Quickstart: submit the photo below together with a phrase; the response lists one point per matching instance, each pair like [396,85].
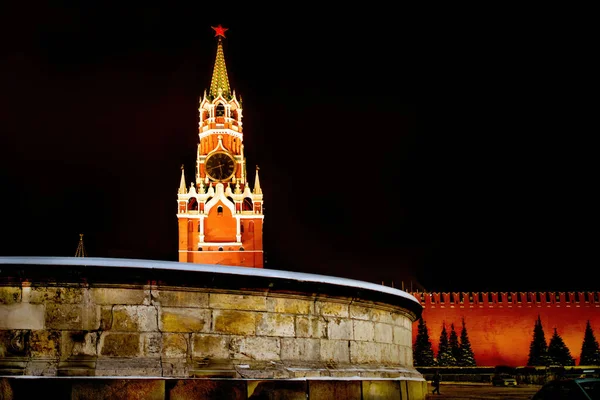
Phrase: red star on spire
[219,30]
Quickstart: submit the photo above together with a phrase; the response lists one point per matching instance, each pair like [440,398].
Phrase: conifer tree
[422,350]
[590,352]
[454,344]
[538,349]
[444,355]
[467,357]
[558,352]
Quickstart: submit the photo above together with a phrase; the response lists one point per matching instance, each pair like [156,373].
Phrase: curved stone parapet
[140,318]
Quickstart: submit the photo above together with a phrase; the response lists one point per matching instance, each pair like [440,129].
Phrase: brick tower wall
[500,325]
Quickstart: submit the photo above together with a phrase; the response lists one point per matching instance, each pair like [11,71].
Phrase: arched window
[248,204]
[220,210]
[241,249]
[241,227]
[220,111]
[220,249]
[192,204]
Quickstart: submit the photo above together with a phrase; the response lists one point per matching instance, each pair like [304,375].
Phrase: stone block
[339,328]
[359,312]
[42,367]
[14,342]
[22,316]
[277,390]
[118,296]
[44,344]
[151,344]
[401,336]
[66,316]
[311,327]
[290,306]
[179,319]
[71,317]
[400,318]
[80,365]
[234,322]
[119,344]
[328,390]
[10,294]
[175,367]
[134,318]
[383,333]
[177,298]
[414,389]
[390,354]
[335,350]
[106,318]
[383,316]
[208,346]
[175,345]
[78,343]
[208,390]
[299,349]
[365,352]
[272,324]
[330,309]
[381,389]
[255,348]
[129,366]
[119,389]
[58,295]
[237,302]
[405,356]
[363,330]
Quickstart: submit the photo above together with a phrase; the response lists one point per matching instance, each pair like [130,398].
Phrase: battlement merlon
[508,299]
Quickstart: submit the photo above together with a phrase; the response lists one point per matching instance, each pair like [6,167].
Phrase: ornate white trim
[230,132]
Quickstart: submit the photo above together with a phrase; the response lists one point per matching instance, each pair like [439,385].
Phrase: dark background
[489,188]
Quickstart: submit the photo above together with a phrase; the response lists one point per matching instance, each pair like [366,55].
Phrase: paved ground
[452,391]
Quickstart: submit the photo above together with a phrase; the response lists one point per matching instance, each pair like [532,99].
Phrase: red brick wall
[500,325]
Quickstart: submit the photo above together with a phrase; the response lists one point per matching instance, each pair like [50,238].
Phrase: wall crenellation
[508,299]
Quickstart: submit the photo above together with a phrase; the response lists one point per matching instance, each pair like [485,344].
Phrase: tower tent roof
[257,189]
[80,252]
[220,82]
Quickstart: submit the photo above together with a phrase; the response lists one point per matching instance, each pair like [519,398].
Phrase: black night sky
[486,189]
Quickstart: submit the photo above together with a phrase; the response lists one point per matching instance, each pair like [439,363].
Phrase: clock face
[220,166]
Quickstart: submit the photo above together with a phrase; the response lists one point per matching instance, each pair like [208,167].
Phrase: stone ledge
[117,388]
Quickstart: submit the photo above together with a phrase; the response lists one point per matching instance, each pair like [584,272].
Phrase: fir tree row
[452,351]
[455,351]
[557,353]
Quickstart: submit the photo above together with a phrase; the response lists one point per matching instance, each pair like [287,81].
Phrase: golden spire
[220,82]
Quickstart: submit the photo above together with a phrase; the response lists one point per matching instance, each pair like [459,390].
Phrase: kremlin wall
[500,325]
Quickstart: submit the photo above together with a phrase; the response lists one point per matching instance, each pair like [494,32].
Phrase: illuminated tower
[220,217]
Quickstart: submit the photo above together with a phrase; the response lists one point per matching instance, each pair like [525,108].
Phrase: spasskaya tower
[220,216]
